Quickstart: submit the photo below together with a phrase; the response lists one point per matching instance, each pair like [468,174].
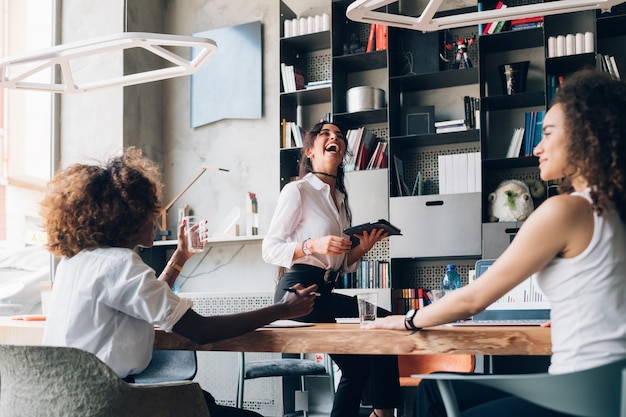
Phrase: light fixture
[62,56]
[162,225]
[365,11]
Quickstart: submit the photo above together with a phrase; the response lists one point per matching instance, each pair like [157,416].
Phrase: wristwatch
[305,248]
[408,320]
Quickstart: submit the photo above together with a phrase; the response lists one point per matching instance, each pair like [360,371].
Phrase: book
[371,38]
[452,128]
[382,33]
[491,26]
[389,228]
[454,122]
[515,146]
[614,65]
[526,20]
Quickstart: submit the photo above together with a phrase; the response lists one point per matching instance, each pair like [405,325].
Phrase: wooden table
[342,338]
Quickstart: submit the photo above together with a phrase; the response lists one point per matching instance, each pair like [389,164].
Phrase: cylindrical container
[325,21]
[451,280]
[589,42]
[295,27]
[360,99]
[304,26]
[580,43]
[310,23]
[287,29]
[570,44]
[551,46]
[379,98]
[318,23]
[560,45]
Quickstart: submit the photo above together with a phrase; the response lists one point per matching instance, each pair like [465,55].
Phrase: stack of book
[405,299]
[457,125]
[377,40]
[459,173]
[525,139]
[527,23]
[371,274]
[495,27]
[608,64]
[365,151]
[292,135]
[293,79]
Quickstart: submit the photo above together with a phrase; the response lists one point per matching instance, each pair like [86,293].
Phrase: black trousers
[476,400]
[379,373]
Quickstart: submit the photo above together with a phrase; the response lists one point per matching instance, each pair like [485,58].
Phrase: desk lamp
[61,56]
[162,225]
[365,11]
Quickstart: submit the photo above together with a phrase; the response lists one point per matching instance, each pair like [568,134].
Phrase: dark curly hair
[305,162]
[594,105]
[90,206]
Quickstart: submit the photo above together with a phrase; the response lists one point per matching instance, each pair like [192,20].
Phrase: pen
[314,294]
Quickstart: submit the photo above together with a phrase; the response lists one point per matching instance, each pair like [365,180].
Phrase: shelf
[361,62]
[307,96]
[360,118]
[510,163]
[570,63]
[310,42]
[214,241]
[507,41]
[514,101]
[435,80]
[435,139]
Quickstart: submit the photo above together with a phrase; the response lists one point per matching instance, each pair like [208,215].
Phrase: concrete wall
[156,118]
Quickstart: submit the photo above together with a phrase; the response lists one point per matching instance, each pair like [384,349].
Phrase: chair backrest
[36,380]
[596,392]
[169,365]
[46,381]
[425,364]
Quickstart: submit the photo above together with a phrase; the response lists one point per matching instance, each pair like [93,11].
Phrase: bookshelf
[422,71]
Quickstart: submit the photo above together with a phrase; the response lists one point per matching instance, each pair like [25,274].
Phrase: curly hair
[594,105]
[305,161]
[88,206]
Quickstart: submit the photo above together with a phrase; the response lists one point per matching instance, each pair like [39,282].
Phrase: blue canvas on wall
[230,84]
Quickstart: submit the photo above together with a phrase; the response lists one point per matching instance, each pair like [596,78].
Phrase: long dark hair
[306,166]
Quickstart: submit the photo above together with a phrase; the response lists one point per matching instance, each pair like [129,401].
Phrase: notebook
[524,305]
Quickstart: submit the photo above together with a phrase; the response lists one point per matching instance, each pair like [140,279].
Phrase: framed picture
[418,120]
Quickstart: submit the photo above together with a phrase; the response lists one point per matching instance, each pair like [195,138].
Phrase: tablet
[389,228]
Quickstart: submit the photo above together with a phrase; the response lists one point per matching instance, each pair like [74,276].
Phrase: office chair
[47,381]
[169,366]
[282,367]
[596,392]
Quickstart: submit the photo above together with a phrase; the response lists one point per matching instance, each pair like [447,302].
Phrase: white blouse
[107,301]
[305,209]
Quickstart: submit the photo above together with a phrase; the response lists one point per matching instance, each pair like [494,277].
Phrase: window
[26,125]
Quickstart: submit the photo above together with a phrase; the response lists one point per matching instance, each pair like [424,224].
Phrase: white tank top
[587,296]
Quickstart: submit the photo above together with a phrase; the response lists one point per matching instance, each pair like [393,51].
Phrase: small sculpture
[513,200]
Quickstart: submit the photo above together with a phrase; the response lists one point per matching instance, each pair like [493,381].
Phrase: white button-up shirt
[107,301]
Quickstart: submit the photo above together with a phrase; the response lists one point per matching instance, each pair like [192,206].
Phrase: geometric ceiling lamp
[365,11]
[24,72]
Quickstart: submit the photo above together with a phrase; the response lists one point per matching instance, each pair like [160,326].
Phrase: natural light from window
[25,125]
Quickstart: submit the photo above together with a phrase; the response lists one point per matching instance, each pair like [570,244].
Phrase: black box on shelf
[418,120]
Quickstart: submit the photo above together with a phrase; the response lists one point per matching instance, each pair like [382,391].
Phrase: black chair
[169,365]
[282,367]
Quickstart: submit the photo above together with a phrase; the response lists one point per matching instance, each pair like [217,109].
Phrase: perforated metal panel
[427,274]
[217,371]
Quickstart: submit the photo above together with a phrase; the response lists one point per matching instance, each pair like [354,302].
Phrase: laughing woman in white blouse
[305,239]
